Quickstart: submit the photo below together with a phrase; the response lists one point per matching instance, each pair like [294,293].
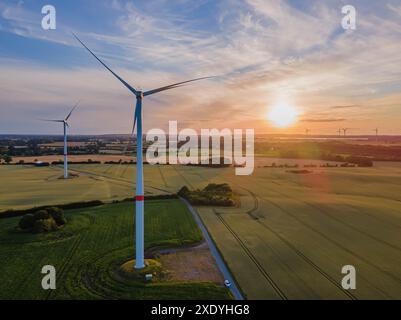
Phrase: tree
[44,225]
[58,215]
[27,222]
[41,214]
[7,159]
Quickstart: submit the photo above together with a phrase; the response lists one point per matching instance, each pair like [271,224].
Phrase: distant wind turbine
[65,126]
[339,132]
[307,131]
[346,129]
[377,133]
[139,203]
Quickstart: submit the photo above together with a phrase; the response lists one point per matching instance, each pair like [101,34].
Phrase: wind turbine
[65,126]
[139,197]
[307,131]
[346,129]
[377,133]
[339,132]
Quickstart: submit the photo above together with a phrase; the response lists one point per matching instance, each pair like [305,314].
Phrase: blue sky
[267,53]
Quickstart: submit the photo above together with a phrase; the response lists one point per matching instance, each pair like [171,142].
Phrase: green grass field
[290,236]
[89,249]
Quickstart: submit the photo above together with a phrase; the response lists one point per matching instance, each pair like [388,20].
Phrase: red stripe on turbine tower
[139,198]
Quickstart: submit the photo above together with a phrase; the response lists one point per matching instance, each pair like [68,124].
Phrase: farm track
[264,273]
[298,252]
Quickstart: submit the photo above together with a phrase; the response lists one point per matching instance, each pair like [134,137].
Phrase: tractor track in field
[108,168]
[183,177]
[351,194]
[298,252]
[348,205]
[65,266]
[71,253]
[373,216]
[117,180]
[162,175]
[250,255]
[325,213]
[264,273]
[334,242]
[98,287]
[124,171]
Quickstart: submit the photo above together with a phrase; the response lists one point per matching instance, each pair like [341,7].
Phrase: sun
[282,115]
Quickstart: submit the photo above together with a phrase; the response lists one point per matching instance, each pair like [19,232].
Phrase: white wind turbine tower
[65,126]
[139,197]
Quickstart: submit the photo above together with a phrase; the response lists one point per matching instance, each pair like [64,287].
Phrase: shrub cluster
[212,195]
[45,220]
[68,206]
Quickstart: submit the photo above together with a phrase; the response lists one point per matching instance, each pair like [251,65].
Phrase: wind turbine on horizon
[345,130]
[65,126]
[377,133]
[139,197]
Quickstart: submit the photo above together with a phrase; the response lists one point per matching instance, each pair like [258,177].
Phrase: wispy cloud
[266,50]
[323,120]
[345,107]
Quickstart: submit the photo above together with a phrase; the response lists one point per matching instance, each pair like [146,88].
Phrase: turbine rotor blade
[69,115]
[50,120]
[172,86]
[132,89]
[133,130]
[133,126]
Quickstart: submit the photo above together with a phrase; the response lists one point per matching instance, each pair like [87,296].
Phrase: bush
[212,195]
[41,214]
[58,215]
[44,220]
[27,222]
[218,188]
[360,161]
[184,191]
[44,225]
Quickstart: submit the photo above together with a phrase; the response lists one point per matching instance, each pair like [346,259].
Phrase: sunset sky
[269,55]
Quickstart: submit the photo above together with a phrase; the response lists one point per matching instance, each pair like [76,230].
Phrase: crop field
[291,234]
[88,250]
